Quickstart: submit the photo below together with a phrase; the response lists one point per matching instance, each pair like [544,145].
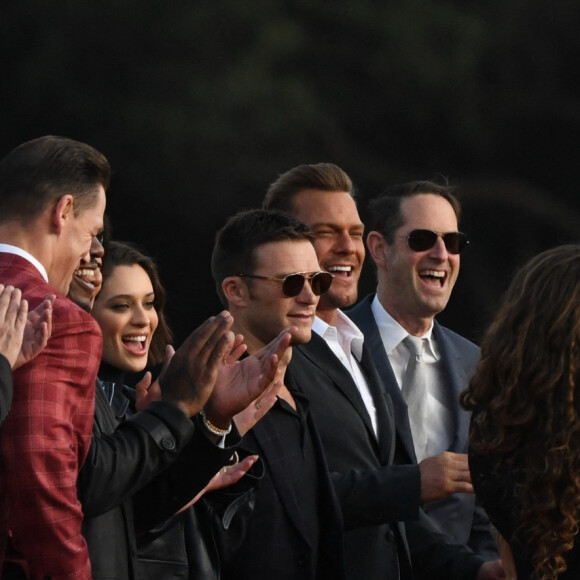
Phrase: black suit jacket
[5,387]
[375,495]
[457,515]
[277,545]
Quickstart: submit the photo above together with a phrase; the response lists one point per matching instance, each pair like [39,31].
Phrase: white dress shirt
[441,420]
[346,342]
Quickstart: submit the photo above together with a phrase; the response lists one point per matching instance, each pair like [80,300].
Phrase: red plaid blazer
[46,436]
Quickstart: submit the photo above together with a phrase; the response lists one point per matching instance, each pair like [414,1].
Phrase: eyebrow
[334,226]
[128,296]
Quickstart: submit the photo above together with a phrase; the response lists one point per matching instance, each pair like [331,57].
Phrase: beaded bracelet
[211,427]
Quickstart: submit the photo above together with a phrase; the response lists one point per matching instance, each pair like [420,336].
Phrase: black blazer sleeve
[435,556]
[124,458]
[375,496]
[5,387]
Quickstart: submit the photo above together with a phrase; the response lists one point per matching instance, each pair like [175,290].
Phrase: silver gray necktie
[414,391]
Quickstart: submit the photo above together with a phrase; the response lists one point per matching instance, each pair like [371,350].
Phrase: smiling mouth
[302,316]
[341,271]
[433,277]
[136,345]
[87,277]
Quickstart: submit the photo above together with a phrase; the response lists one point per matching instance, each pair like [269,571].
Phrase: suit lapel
[457,375]
[272,445]
[383,406]
[320,354]
[363,317]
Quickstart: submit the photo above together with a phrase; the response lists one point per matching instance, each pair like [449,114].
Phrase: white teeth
[85,273]
[340,269]
[434,273]
[135,338]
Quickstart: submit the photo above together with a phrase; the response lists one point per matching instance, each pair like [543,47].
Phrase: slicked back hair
[385,213]
[236,243]
[318,177]
[37,173]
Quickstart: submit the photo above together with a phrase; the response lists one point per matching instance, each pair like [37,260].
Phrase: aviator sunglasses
[293,283]
[422,240]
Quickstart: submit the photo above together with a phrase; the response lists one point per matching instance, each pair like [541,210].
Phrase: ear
[377,246]
[235,290]
[62,212]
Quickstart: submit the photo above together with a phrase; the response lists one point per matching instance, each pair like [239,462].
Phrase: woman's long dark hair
[526,392]
[127,254]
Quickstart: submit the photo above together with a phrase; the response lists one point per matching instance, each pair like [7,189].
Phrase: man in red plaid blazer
[52,195]
[52,200]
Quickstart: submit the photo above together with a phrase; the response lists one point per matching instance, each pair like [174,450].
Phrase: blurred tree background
[199,105]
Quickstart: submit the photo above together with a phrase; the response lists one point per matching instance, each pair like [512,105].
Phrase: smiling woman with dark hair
[525,432]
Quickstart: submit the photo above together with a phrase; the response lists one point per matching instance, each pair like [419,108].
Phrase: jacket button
[168,443]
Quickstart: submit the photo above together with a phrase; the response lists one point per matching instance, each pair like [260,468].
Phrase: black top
[284,538]
[495,489]
[121,397]
[5,387]
[300,461]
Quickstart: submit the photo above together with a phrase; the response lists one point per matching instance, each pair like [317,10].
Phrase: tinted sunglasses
[422,240]
[293,283]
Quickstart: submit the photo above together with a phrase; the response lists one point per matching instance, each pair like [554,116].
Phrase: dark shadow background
[200,105]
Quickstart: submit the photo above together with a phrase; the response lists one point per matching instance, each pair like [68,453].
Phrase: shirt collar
[347,331]
[392,333]
[8,249]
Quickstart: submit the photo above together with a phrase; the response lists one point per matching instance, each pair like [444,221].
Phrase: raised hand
[148,390]
[247,418]
[37,331]
[240,383]
[13,316]
[192,373]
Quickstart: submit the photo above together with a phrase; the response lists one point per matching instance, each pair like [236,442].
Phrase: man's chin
[301,337]
[80,297]
[340,300]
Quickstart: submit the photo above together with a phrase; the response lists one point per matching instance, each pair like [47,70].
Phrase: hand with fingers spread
[192,373]
[37,331]
[241,383]
[148,390]
[444,474]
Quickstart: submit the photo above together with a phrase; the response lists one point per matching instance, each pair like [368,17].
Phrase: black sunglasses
[422,240]
[293,283]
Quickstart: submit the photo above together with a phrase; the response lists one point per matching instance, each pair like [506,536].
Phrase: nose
[344,243]
[97,250]
[439,251]
[86,257]
[306,295]
[139,316]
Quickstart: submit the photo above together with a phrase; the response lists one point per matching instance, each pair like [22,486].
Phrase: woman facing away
[524,451]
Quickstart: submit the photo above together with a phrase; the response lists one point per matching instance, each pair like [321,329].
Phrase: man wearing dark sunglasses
[268,276]
[387,534]
[416,245]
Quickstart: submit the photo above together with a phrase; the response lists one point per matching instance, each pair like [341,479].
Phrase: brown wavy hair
[526,392]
